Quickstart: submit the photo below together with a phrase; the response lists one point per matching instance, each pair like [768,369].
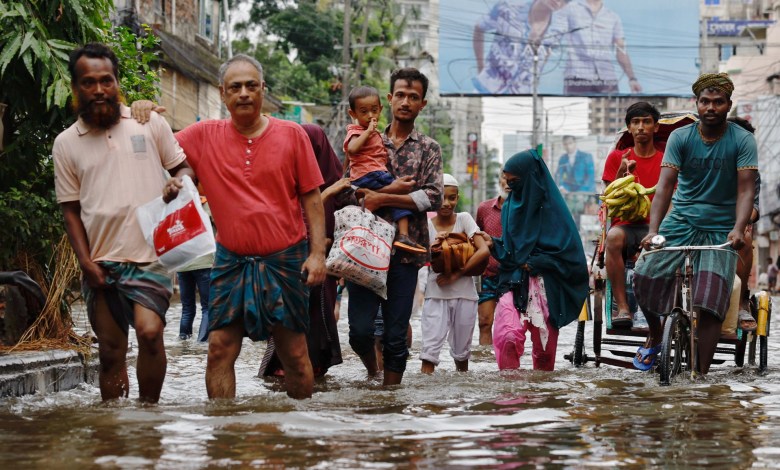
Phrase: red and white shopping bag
[179,231]
[361,250]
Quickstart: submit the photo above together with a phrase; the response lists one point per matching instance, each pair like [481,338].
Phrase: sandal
[406,244]
[643,354]
[623,320]
[746,321]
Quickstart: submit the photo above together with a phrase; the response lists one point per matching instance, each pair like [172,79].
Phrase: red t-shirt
[371,157]
[647,172]
[253,185]
[489,221]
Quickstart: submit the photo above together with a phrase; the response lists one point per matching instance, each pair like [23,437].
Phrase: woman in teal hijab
[543,276]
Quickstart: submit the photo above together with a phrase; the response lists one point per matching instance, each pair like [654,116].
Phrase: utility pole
[345,51]
[337,126]
[228,39]
[363,39]
[535,97]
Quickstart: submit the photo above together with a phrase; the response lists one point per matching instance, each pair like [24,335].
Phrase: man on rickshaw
[714,164]
[642,160]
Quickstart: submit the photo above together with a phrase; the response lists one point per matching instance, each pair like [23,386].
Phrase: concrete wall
[25,373]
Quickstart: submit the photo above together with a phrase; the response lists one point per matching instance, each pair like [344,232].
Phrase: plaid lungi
[713,271]
[261,291]
[148,284]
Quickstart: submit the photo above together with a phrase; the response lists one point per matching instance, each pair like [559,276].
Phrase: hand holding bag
[451,252]
[179,231]
[361,249]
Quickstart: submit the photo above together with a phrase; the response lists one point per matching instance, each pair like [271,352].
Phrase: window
[726,51]
[159,7]
[206,19]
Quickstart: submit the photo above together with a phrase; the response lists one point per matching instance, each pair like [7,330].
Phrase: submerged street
[570,418]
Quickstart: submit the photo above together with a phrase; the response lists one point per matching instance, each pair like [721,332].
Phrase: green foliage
[286,79]
[138,57]
[36,38]
[298,51]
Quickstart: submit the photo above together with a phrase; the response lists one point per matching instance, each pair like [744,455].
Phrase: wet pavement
[570,418]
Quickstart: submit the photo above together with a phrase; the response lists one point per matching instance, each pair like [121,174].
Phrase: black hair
[409,74]
[641,109]
[568,137]
[361,92]
[743,123]
[93,50]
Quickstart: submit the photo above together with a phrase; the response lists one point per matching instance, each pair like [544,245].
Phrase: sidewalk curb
[23,373]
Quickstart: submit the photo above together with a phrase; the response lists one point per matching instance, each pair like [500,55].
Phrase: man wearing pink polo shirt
[105,166]
[258,172]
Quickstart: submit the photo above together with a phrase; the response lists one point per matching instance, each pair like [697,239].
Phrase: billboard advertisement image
[581,47]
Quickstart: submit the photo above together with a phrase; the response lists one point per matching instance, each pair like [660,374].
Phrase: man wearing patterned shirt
[489,221]
[415,161]
[595,37]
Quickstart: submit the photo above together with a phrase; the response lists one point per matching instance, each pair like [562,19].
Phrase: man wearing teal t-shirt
[713,164]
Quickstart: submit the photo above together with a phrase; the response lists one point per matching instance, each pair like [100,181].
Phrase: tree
[302,39]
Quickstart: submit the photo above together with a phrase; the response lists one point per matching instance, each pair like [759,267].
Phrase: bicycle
[680,328]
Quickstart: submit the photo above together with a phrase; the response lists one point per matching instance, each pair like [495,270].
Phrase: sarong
[261,291]
[713,271]
[148,284]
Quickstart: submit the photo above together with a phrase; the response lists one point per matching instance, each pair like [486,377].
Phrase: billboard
[583,47]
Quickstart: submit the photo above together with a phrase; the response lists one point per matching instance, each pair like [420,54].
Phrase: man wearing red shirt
[258,172]
[623,238]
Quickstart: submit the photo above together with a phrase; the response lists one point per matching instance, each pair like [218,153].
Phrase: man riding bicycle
[623,239]
[713,163]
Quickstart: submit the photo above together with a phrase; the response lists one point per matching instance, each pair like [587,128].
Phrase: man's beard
[102,116]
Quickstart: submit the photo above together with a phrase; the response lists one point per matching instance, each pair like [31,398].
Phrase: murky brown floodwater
[570,418]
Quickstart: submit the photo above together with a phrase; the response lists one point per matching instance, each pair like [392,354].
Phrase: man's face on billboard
[570,145]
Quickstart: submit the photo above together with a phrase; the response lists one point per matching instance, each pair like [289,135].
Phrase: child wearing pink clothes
[510,329]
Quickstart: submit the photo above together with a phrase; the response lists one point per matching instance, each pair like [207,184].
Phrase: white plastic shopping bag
[179,231]
[361,249]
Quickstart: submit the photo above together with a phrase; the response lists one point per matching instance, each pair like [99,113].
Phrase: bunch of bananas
[627,200]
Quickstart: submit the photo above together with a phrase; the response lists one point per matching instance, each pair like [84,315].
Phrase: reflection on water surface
[588,417]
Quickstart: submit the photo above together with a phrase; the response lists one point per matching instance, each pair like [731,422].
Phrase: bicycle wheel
[762,354]
[751,349]
[739,350]
[674,347]
[598,319]
[579,345]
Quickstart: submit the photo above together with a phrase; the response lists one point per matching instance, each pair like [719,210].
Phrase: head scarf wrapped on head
[538,231]
[718,81]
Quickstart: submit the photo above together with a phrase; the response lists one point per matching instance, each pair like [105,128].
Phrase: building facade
[192,43]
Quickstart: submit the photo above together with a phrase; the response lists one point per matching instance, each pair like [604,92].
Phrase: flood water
[570,418]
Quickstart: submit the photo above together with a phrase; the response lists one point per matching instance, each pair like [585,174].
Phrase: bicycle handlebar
[721,247]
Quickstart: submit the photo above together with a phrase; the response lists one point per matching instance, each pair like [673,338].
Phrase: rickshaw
[617,346]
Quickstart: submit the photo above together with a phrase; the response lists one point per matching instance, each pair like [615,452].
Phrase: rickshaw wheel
[751,349]
[739,352]
[598,321]
[674,347]
[762,355]
[579,345]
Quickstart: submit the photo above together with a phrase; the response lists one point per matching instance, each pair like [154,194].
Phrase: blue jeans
[189,281]
[378,180]
[396,312]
